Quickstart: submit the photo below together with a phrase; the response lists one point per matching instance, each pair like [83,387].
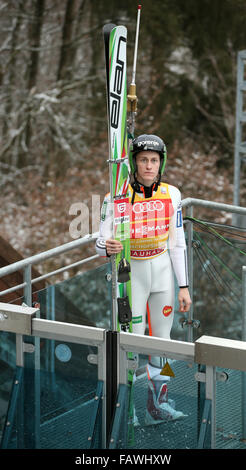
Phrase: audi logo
[148,206]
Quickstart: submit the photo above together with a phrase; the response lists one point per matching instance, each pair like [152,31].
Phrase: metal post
[211,395]
[190,271]
[28,285]
[237,161]
[50,315]
[244,303]
[35,426]
[240,118]
[28,301]
[101,370]
[112,380]
[243,374]
[114,294]
[240,146]
[19,351]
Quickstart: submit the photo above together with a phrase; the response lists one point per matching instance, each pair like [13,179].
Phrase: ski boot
[159,408]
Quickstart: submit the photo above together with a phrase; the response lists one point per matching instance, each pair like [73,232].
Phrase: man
[157,249]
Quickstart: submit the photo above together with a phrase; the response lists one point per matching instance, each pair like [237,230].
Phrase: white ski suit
[158,248]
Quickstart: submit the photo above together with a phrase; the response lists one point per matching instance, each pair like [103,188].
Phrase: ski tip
[107,28]
[139,7]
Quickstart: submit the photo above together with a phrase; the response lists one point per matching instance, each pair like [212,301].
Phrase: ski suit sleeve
[106,227]
[177,243]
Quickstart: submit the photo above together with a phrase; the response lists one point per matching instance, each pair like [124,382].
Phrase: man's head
[147,143]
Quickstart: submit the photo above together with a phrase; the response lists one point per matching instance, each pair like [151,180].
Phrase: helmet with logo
[147,142]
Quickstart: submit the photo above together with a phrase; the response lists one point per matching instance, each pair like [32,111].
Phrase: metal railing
[26,264]
[57,331]
[209,351]
[127,343]
[189,204]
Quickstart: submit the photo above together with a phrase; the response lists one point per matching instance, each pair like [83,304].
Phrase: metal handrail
[26,264]
[188,202]
[40,257]
[46,276]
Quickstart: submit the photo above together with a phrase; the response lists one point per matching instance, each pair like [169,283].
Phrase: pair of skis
[118,104]
[121,123]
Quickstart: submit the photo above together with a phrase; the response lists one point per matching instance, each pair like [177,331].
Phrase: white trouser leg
[141,286]
[152,282]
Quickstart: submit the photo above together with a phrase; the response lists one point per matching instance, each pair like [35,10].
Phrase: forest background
[53,126]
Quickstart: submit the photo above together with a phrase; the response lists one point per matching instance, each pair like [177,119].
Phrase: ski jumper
[158,249]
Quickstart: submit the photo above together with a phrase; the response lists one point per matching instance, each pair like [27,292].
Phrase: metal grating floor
[67,426]
[229,412]
[183,434]
[69,430]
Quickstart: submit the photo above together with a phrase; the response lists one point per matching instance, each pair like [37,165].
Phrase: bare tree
[35,29]
[66,57]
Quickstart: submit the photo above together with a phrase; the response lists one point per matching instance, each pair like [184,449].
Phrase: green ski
[115,38]
[118,103]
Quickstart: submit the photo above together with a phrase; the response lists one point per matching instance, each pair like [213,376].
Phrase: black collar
[147,191]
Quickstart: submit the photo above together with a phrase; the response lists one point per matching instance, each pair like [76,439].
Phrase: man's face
[148,164]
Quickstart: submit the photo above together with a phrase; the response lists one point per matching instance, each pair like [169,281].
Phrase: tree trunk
[35,35]
[34,40]
[66,58]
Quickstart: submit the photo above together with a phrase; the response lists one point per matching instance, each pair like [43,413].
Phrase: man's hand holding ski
[113,246]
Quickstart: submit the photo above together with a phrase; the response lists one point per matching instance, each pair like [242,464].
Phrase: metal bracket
[132,364]
[17,318]
[118,160]
[92,359]
[220,377]
[28,348]
[108,277]
[196,244]
[193,323]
